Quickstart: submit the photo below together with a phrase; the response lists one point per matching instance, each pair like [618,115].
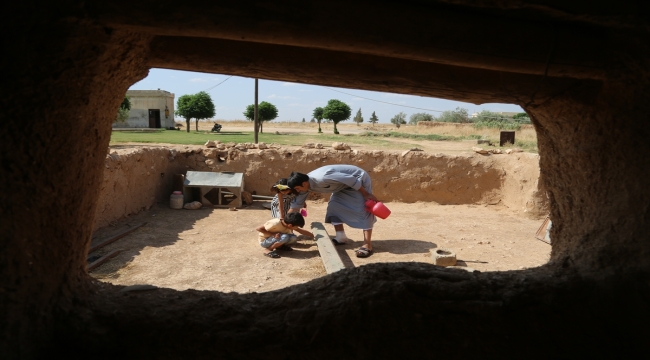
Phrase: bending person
[350,187]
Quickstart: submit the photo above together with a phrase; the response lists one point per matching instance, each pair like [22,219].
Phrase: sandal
[363,252]
[285,248]
[272,255]
[337,243]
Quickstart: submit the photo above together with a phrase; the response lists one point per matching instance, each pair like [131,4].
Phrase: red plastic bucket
[377,208]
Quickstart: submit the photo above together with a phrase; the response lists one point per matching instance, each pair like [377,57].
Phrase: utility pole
[256,113]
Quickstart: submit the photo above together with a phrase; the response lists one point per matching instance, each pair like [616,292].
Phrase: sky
[231,95]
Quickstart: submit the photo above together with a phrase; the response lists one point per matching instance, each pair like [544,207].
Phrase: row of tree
[199,106]
[461,115]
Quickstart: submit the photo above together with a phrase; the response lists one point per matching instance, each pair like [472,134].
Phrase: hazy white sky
[296,101]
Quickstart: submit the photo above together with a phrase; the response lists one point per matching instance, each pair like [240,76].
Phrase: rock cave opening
[580,70]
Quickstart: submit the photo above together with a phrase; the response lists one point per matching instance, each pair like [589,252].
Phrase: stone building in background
[149,109]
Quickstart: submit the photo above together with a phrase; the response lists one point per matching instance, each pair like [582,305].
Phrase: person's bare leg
[272,247]
[367,237]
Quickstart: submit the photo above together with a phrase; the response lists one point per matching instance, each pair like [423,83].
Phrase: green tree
[358,118]
[487,115]
[318,115]
[265,111]
[522,118]
[492,120]
[417,117]
[459,115]
[336,111]
[399,119]
[373,118]
[123,110]
[198,106]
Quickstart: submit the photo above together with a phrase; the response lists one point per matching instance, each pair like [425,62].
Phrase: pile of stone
[482,151]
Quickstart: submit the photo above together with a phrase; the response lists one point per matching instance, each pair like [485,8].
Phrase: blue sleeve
[299,201]
[343,178]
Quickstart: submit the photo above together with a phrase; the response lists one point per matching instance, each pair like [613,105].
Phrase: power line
[385,102]
[208,89]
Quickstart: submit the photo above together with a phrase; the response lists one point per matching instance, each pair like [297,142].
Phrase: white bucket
[176,200]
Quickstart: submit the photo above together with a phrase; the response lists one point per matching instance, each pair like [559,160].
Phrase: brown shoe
[363,252]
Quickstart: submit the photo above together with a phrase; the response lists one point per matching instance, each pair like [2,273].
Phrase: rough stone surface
[581,72]
[481,151]
[445,179]
[340,146]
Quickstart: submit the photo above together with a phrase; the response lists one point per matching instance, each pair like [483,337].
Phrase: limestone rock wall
[135,179]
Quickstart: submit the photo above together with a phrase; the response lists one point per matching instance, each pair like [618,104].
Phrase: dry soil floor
[217,249]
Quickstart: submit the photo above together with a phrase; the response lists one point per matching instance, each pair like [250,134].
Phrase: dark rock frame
[580,70]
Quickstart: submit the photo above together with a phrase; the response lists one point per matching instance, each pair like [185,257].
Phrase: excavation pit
[488,219]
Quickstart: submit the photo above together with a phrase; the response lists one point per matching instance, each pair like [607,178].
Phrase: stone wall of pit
[136,178]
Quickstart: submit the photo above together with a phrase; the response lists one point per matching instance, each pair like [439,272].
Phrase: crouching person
[277,234]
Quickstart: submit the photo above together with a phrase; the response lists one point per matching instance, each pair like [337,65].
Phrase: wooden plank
[329,255]
[544,231]
[114,238]
[103,259]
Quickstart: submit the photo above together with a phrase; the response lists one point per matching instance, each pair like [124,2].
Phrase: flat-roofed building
[149,109]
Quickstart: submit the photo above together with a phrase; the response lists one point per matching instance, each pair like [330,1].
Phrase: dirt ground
[217,249]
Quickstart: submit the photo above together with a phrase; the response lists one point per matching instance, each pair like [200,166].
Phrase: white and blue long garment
[346,204]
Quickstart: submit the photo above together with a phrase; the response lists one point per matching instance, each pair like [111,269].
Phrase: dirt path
[217,249]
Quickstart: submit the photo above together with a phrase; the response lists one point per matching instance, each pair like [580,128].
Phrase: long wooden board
[103,259]
[114,238]
[544,231]
[329,255]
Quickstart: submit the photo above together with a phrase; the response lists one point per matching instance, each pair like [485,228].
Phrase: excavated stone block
[443,257]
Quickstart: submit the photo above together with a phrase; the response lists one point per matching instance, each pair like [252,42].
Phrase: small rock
[480,150]
[210,144]
[247,197]
[340,146]
[194,205]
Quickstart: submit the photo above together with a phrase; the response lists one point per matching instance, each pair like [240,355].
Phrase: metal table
[219,189]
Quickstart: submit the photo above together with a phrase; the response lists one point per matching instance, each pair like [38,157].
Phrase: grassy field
[200,137]
[296,134]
